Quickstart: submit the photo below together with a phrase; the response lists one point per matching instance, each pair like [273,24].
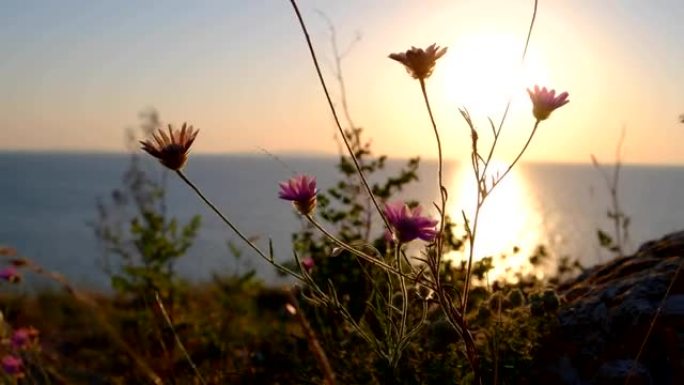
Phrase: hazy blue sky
[74,74]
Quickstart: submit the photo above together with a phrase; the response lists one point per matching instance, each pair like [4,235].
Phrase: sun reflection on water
[508,220]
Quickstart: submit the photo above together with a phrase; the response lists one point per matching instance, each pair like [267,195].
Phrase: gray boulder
[621,322]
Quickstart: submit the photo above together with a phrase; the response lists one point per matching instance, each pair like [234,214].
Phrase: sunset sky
[75,74]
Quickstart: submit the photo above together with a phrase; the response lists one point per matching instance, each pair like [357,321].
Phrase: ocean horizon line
[309,155]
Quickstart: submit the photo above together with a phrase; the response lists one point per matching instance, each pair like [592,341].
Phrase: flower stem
[517,158]
[198,374]
[225,220]
[352,250]
[404,306]
[440,179]
[481,196]
[335,117]
[482,192]
[314,344]
[508,104]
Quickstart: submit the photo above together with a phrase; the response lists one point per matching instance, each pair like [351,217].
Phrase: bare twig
[178,340]
[481,175]
[653,322]
[314,345]
[269,258]
[334,113]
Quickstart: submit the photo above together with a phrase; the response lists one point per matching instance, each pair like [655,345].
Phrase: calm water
[47,201]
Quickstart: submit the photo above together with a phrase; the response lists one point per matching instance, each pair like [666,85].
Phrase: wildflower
[10,274]
[22,338]
[308,263]
[545,101]
[301,190]
[13,366]
[172,149]
[409,224]
[419,62]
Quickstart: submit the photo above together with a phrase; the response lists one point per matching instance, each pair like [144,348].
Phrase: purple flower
[13,366]
[23,337]
[409,224]
[301,190]
[545,101]
[10,274]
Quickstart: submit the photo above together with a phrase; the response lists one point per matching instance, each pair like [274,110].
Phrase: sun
[484,70]
[509,219]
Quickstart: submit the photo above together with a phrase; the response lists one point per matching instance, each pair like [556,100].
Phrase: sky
[75,74]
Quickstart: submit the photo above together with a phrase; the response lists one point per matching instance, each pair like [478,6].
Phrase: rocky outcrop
[621,322]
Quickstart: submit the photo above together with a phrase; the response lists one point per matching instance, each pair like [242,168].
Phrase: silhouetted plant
[146,241]
[142,245]
[617,241]
[363,279]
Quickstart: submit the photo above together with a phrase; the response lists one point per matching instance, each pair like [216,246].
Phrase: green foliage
[347,205]
[362,291]
[142,245]
[145,241]
[507,320]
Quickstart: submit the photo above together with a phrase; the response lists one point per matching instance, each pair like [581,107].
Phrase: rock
[620,319]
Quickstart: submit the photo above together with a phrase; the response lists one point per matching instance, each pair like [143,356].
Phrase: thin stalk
[617,212]
[508,104]
[314,345]
[442,189]
[442,195]
[472,230]
[630,373]
[517,158]
[458,322]
[101,317]
[364,256]
[352,250]
[334,114]
[230,224]
[178,340]
[404,307]
[389,308]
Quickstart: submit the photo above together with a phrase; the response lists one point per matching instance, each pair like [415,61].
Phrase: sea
[48,205]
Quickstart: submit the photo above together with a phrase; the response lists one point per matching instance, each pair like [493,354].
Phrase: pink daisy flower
[545,101]
[301,190]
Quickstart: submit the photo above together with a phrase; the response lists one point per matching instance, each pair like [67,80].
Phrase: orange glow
[485,70]
[508,219]
[258,90]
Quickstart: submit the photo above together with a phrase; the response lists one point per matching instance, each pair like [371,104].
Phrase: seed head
[419,62]
[172,149]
